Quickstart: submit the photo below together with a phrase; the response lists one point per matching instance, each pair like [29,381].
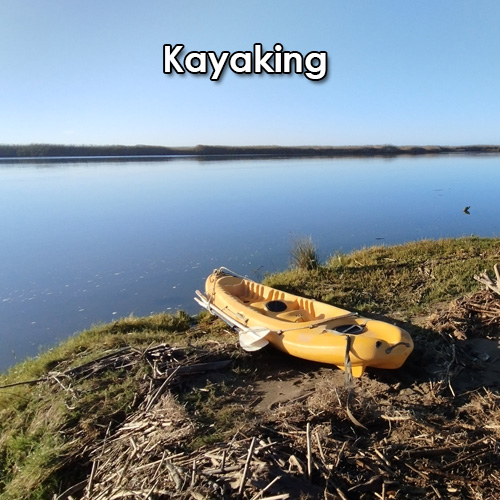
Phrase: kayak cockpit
[275,303]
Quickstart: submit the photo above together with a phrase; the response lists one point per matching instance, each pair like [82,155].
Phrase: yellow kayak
[302,327]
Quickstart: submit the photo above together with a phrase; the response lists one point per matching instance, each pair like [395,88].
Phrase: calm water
[82,243]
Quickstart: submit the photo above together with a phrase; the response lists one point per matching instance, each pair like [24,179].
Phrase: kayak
[303,327]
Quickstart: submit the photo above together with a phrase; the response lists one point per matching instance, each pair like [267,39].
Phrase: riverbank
[170,405]
[69,152]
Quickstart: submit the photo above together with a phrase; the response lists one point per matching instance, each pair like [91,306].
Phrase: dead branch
[26,382]
[247,465]
[486,280]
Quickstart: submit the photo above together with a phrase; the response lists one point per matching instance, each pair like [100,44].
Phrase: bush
[304,254]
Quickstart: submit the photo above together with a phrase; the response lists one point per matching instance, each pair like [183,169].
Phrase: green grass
[41,424]
[90,343]
[406,279]
[43,427]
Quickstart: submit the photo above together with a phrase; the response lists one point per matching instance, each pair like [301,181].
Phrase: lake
[91,241]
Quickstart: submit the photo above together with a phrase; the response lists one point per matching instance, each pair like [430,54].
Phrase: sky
[400,72]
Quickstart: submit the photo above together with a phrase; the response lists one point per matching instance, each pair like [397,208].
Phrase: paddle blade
[255,346]
[253,339]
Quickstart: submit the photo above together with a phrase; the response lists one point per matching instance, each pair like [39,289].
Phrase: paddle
[252,339]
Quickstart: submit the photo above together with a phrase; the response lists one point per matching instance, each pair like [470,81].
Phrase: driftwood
[122,466]
[161,358]
[476,315]
[119,358]
[143,458]
[25,382]
[307,447]
[490,283]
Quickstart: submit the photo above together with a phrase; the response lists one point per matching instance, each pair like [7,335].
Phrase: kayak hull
[302,327]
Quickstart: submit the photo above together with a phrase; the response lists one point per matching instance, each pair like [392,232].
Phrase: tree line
[71,151]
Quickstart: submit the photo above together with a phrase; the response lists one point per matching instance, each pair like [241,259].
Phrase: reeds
[304,255]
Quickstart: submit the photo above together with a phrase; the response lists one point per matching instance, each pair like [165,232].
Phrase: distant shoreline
[60,152]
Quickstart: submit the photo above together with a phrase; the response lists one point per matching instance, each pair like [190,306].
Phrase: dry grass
[418,432]
[114,427]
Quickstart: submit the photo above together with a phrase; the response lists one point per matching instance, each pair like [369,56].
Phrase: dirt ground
[427,430]
[467,365]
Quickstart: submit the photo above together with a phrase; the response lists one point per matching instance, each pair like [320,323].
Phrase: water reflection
[92,241]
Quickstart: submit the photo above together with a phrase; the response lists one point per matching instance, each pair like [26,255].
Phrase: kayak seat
[294,316]
[237,290]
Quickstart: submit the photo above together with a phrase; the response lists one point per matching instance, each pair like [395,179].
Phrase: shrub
[304,254]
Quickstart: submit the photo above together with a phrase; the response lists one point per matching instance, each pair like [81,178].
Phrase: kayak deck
[303,327]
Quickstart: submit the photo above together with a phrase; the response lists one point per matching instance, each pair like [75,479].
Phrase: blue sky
[400,72]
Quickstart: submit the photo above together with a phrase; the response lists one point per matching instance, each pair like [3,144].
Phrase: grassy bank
[402,280]
[66,401]
[43,423]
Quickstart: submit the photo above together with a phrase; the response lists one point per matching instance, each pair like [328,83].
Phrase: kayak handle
[389,350]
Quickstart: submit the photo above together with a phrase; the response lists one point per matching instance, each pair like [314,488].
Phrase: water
[88,242]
